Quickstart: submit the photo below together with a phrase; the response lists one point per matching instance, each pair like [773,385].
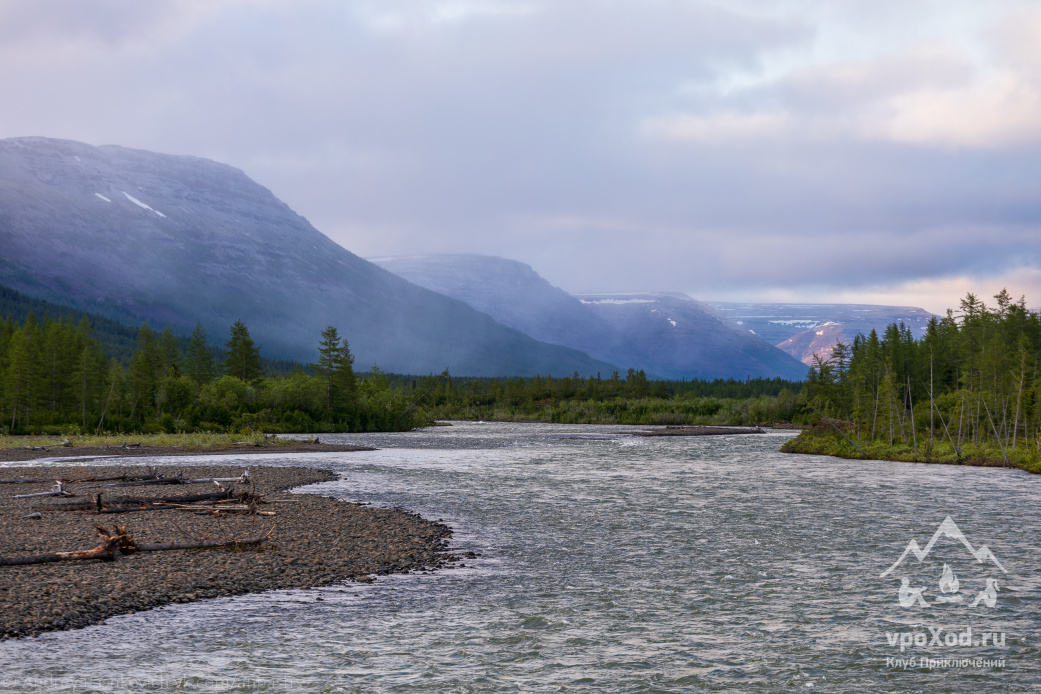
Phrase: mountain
[819,341]
[515,295]
[631,331]
[684,338]
[119,341]
[803,330]
[175,240]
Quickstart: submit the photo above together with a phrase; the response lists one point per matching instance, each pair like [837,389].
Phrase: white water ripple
[680,564]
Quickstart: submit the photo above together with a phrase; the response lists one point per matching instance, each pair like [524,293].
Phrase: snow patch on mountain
[137,202]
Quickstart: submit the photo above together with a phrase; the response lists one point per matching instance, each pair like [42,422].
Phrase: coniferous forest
[57,378]
[634,399]
[968,391]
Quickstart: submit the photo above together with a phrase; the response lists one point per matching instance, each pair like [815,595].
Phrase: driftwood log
[59,490]
[178,479]
[118,542]
[79,479]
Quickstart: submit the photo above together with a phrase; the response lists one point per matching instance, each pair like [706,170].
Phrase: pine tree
[243,360]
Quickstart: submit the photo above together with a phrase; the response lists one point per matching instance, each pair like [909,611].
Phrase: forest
[56,377]
[966,392]
[633,399]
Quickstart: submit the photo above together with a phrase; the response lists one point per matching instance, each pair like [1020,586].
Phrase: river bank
[19,448]
[822,439]
[310,541]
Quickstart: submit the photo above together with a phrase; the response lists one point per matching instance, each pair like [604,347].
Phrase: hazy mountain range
[138,236]
[175,240]
[668,335]
[803,330]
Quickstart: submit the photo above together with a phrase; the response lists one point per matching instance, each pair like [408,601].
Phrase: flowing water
[616,564]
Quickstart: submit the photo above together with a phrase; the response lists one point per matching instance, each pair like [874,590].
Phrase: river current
[610,563]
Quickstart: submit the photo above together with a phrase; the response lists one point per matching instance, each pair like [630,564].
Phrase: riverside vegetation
[967,392]
[614,400]
[56,378]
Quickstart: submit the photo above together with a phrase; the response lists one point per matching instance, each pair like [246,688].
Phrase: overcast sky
[868,150]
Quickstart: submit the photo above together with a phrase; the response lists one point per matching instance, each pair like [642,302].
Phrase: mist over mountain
[666,335]
[684,338]
[135,235]
[515,295]
[804,330]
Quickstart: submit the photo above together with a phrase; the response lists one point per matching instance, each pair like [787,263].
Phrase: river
[610,563]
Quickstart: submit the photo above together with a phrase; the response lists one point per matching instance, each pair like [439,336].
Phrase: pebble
[317,541]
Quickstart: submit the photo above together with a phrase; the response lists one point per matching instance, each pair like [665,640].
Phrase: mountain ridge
[177,239]
[513,293]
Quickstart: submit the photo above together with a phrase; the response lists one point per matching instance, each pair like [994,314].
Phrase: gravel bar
[315,541]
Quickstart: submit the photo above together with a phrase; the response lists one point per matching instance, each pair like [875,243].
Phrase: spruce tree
[169,355]
[144,374]
[198,359]
[243,360]
[336,367]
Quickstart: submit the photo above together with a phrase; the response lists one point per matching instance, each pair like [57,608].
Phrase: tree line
[634,399]
[968,390]
[56,378]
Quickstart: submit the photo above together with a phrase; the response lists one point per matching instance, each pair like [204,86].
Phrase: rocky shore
[144,451]
[311,541]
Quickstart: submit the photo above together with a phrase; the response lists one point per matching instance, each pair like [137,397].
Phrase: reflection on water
[607,563]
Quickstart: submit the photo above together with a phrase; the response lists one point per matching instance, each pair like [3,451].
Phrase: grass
[821,439]
[195,441]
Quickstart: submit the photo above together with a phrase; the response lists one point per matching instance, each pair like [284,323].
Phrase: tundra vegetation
[967,392]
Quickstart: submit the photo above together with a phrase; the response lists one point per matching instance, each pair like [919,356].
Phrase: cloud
[790,146]
[1002,110]
[934,295]
[721,129]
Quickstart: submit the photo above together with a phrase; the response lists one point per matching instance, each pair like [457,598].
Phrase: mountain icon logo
[949,584]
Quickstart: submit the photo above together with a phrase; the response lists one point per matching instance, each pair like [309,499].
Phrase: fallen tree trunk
[76,479]
[59,490]
[133,509]
[216,511]
[125,445]
[144,481]
[148,481]
[182,499]
[110,550]
[128,504]
[162,546]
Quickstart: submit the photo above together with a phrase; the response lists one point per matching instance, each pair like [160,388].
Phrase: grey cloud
[416,127]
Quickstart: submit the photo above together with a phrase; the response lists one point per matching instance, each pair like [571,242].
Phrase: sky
[868,151]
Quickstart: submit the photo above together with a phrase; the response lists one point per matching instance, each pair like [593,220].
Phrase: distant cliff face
[177,239]
[817,342]
[666,335]
[803,330]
